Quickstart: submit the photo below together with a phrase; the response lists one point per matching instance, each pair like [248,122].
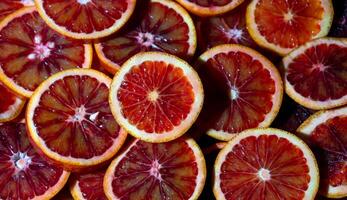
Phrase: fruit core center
[264,174]
[79,115]
[83,2]
[155,170]
[146,39]
[234,93]
[288,17]
[235,33]
[321,67]
[41,51]
[21,160]
[153,96]
[27,2]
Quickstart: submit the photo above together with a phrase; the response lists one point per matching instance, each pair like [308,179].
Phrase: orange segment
[11,105]
[281,25]
[8,7]
[160,25]
[70,121]
[156,97]
[86,19]
[32,51]
[209,7]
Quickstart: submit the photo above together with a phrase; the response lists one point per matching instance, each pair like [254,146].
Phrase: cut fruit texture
[161,26]
[11,105]
[23,173]
[156,96]
[8,7]
[243,90]
[31,51]
[326,132]
[70,121]
[315,73]
[209,7]
[266,164]
[172,170]
[86,19]
[281,25]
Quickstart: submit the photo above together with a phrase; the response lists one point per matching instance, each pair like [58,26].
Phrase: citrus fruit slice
[283,25]
[11,105]
[160,25]
[172,170]
[266,164]
[209,7]
[156,96]
[229,28]
[315,74]
[243,90]
[88,186]
[23,173]
[70,121]
[326,131]
[31,51]
[10,6]
[86,19]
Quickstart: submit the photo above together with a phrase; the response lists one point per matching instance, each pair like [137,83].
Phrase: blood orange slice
[70,121]
[283,25]
[156,96]
[229,28]
[209,7]
[86,19]
[172,170]
[243,90]
[315,74]
[11,105]
[10,6]
[31,51]
[88,186]
[326,131]
[23,173]
[161,26]
[266,164]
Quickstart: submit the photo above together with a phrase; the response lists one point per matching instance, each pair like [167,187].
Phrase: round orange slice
[156,96]
[315,74]
[172,170]
[11,105]
[24,174]
[86,19]
[283,25]
[160,25]
[326,132]
[31,51]
[70,121]
[243,90]
[209,7]
[10,6]
[266,164]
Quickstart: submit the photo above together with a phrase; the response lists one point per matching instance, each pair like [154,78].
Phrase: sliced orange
[209,7]
[243,90]
[159,25]
[85,19]
[315,74]
[326,131]
[70,121]
[10,6]
[266,164]
[11,105]
[24,174]
[172,170]
[156,96]
[31,51]
[282,25]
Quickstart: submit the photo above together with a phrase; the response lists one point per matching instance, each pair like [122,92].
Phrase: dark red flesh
[91,185]
[33,180]
[211,3]
[17,42]
[169,30]
[175,96]
[330,138]
[96,15]
[286,163]
[255,85]
[316,84]
[8,7]
[7,98]
[133,180]
[93,134]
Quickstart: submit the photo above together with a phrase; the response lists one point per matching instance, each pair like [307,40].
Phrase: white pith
[21,161]
[83,2]
[264,174]
[41,51]
[234,33]
[27,2]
